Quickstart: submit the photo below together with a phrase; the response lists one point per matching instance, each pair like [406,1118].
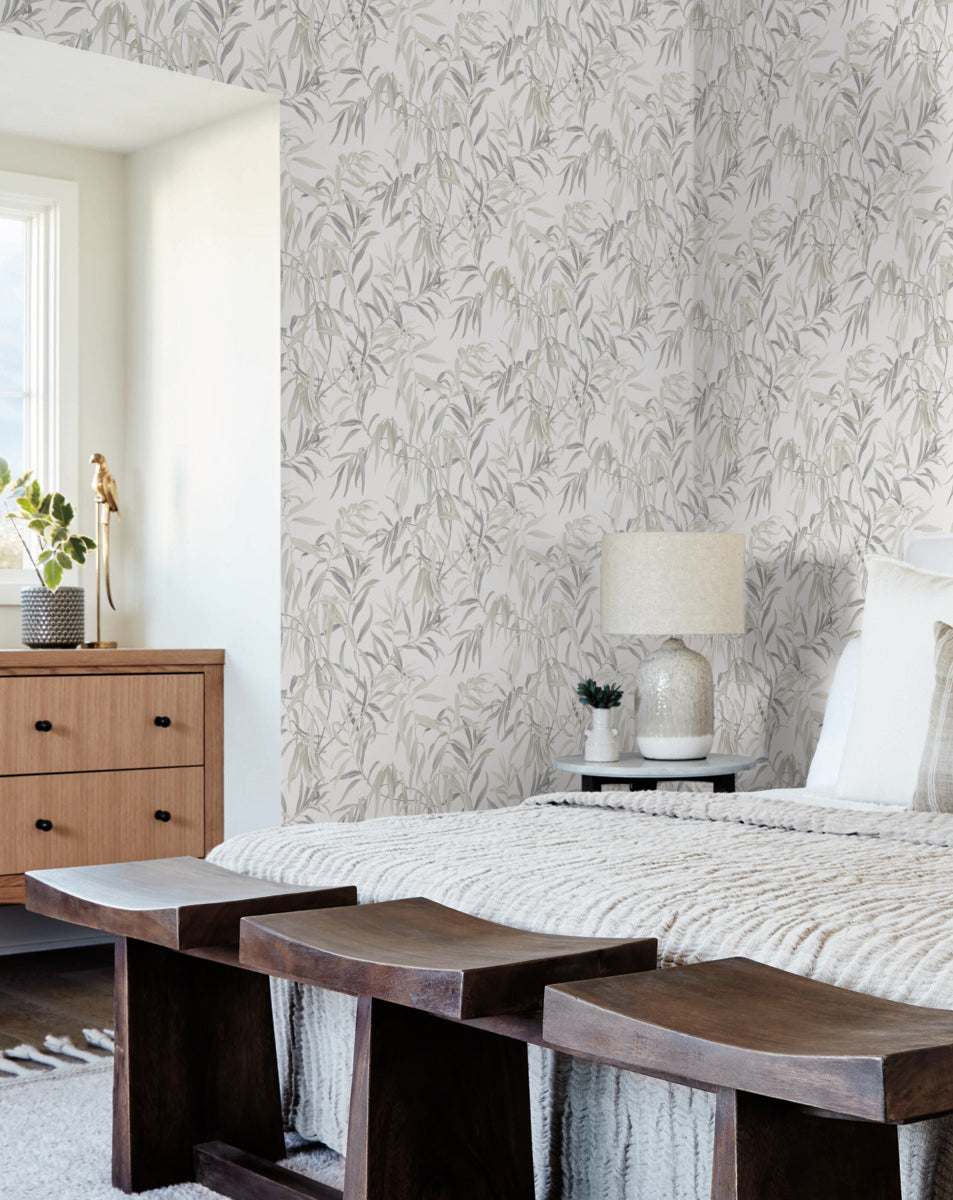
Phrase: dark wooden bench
[811,1080]
[195,1049]
[440,1092]
[448,1003]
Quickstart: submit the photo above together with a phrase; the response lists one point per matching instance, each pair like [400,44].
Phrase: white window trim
[58,363]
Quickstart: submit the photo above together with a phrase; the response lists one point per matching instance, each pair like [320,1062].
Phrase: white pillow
[895,683]
[825,765]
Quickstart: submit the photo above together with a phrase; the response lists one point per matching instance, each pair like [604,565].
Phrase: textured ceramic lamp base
[676,703]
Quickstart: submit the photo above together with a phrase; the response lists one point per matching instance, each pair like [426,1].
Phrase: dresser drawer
[100,817]
[60,723]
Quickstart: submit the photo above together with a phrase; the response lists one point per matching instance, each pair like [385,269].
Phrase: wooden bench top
[739,1024]
[179,903]
[433,958]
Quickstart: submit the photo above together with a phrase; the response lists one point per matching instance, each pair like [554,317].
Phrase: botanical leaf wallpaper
[555,268]
[823,408]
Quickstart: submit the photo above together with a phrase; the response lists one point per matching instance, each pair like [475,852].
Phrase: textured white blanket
[859,899]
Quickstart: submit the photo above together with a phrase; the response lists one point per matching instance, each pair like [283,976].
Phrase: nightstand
[644,774]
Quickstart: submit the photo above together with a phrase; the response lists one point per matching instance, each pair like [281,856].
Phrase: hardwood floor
[55,991]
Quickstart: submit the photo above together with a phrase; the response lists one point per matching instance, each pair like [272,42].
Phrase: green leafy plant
[49,516]
[599,695]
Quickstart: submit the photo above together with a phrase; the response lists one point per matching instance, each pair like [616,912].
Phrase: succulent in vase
[599,695]
[601,740]
[49,515]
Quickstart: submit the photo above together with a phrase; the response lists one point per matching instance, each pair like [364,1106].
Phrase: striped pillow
[935,782]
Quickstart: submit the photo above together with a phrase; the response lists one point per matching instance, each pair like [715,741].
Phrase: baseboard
[23,932]
[92,939]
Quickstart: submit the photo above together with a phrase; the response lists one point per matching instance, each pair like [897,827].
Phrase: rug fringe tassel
[102,1039]
[63,1053]
[64,1046]
[28,1053]
[9,1067]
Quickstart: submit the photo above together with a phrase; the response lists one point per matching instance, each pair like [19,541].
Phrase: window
[38,339]
[13,270]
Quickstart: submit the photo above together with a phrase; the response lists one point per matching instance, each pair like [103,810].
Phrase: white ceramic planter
[602,742]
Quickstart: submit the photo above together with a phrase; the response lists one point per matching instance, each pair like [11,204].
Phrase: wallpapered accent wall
[823,384]
[556,268]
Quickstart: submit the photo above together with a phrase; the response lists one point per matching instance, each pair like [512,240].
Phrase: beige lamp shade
[665,583]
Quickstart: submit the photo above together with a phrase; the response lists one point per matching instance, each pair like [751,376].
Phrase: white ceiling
[83,98]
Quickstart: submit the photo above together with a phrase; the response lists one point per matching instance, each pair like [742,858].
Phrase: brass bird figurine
[106,493]
[104,484]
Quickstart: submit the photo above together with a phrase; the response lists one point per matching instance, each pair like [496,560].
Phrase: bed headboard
[931,552]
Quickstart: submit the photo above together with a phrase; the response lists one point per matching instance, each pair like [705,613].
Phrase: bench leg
[439,1110]
[770,1150]
[195,1062]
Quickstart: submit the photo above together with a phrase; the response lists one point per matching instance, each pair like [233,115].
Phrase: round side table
[644,774]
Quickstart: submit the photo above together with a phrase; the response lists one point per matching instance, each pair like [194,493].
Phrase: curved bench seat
[737,1023]
[785,1055]
[426,956]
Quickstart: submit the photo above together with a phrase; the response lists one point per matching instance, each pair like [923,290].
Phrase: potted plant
[52,616]
[601,740]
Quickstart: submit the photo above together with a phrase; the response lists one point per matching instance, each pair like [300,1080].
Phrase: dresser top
[37,659]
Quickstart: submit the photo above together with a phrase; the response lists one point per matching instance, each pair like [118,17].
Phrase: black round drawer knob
[163,722]
[44,726]
[162,815]
[45,825]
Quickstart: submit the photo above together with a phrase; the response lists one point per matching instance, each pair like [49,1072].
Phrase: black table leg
[593,783]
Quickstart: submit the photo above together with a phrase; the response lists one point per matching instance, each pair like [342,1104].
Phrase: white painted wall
[179,334]
[100,178]
[179,387]
[201,551]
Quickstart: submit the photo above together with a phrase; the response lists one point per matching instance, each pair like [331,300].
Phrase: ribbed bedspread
[857,899]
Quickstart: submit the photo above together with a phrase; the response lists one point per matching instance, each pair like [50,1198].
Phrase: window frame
[51,369]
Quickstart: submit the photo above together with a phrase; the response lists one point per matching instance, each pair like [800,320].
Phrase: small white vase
[602,743]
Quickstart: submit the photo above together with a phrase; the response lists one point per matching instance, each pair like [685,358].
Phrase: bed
[832,886]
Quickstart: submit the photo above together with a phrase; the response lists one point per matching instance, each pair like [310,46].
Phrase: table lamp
[673,583]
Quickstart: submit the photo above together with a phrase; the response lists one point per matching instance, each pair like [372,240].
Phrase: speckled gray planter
[52,620]
[675,716]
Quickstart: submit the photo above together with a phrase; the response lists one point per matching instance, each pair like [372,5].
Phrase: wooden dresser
[107,756]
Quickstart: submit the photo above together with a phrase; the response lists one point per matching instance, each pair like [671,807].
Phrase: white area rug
[55,1139]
